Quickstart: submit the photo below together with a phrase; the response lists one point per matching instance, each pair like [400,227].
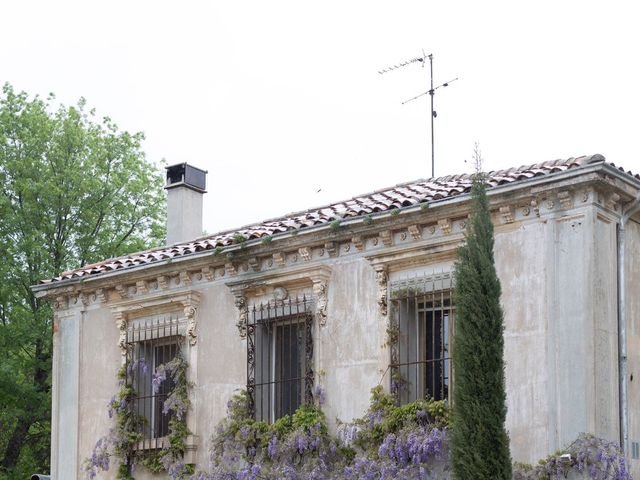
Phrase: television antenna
[431,92]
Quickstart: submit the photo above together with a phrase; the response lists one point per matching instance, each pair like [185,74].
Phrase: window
[420,333]
[150,344]
[279,357]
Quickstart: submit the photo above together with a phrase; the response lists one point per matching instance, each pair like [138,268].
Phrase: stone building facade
[284,305]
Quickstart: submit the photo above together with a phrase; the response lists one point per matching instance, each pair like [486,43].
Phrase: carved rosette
[381,280]
[190,315]
[241,305]
[320,292]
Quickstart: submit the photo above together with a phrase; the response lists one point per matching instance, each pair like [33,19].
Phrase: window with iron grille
[150,344]
[279,357]
[420,333]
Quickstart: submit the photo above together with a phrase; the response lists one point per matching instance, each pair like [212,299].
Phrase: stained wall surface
[558,281]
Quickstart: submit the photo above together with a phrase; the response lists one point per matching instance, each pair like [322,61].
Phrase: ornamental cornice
[186,302]
[420,227]
[316,277]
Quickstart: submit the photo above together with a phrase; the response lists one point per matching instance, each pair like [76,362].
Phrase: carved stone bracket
[611,201]
[320,292]
[163,282]
[387,237]
[121,324]
[415,231]
[141,286]
[535,207]
[445,225]
[230,268]
[566,199]
[331,248]
[61,302]
[241,305]
[190,315]
[381,280]
[208,272]
[122,291]
[185,278]
[101,295]
[507,214]
[254,264]
[280,259]
[305,253]
[358,241]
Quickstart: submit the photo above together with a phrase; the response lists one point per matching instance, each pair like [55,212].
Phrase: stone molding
[379,236]
[128,309]
[314,277]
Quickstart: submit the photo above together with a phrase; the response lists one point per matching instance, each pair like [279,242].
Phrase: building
[279,305]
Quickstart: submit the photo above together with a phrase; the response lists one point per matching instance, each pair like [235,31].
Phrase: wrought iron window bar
[420,329]
[151,343]
[279,357]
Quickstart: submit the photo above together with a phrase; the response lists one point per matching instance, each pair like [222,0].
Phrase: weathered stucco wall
[522,268]
[558,277]
[632,257]
[349,346]
[98,383]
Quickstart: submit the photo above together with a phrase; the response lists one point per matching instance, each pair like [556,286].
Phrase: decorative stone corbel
[320,292]
[381,280]
[101,295]
[415,231]
[535,207]
[230,268]
[566,199]
[208,272]
[121,324]
[305,253]
[163,282]
[445,225]
[190,315]
[507,214]
[331,248]
[280,259]
[254,264]
[61,302]
[122,291]
[141,286]
[611,201]
[358,241]
[387,237]
[241,305]
[185,278]
[84,299]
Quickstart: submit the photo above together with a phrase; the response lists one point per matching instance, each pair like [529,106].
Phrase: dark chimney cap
[185,175]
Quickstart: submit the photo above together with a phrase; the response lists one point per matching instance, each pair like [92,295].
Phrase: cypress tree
[479,443]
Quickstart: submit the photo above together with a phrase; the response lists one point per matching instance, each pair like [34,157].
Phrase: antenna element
[430,92]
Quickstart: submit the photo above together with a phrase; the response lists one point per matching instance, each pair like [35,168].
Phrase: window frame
[142,334]
[269,318]
[411,296]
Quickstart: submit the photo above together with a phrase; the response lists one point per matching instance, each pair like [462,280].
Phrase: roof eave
[40,290]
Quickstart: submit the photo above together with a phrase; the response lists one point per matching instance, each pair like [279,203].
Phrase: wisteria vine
[122,439]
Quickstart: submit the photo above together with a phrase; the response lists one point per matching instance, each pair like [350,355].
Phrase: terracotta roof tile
[403,195]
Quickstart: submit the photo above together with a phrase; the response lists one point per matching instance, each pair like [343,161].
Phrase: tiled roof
[403,195]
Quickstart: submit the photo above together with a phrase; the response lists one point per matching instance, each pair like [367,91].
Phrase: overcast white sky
[278,100]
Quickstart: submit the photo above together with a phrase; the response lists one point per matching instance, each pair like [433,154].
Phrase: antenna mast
[431,93]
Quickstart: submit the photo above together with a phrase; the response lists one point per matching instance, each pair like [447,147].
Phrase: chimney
[185,187]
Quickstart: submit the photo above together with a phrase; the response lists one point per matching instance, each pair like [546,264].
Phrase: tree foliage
[74,189]
[480,445]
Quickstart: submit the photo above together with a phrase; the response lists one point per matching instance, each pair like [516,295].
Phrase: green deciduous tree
[479,444]
[73,190]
